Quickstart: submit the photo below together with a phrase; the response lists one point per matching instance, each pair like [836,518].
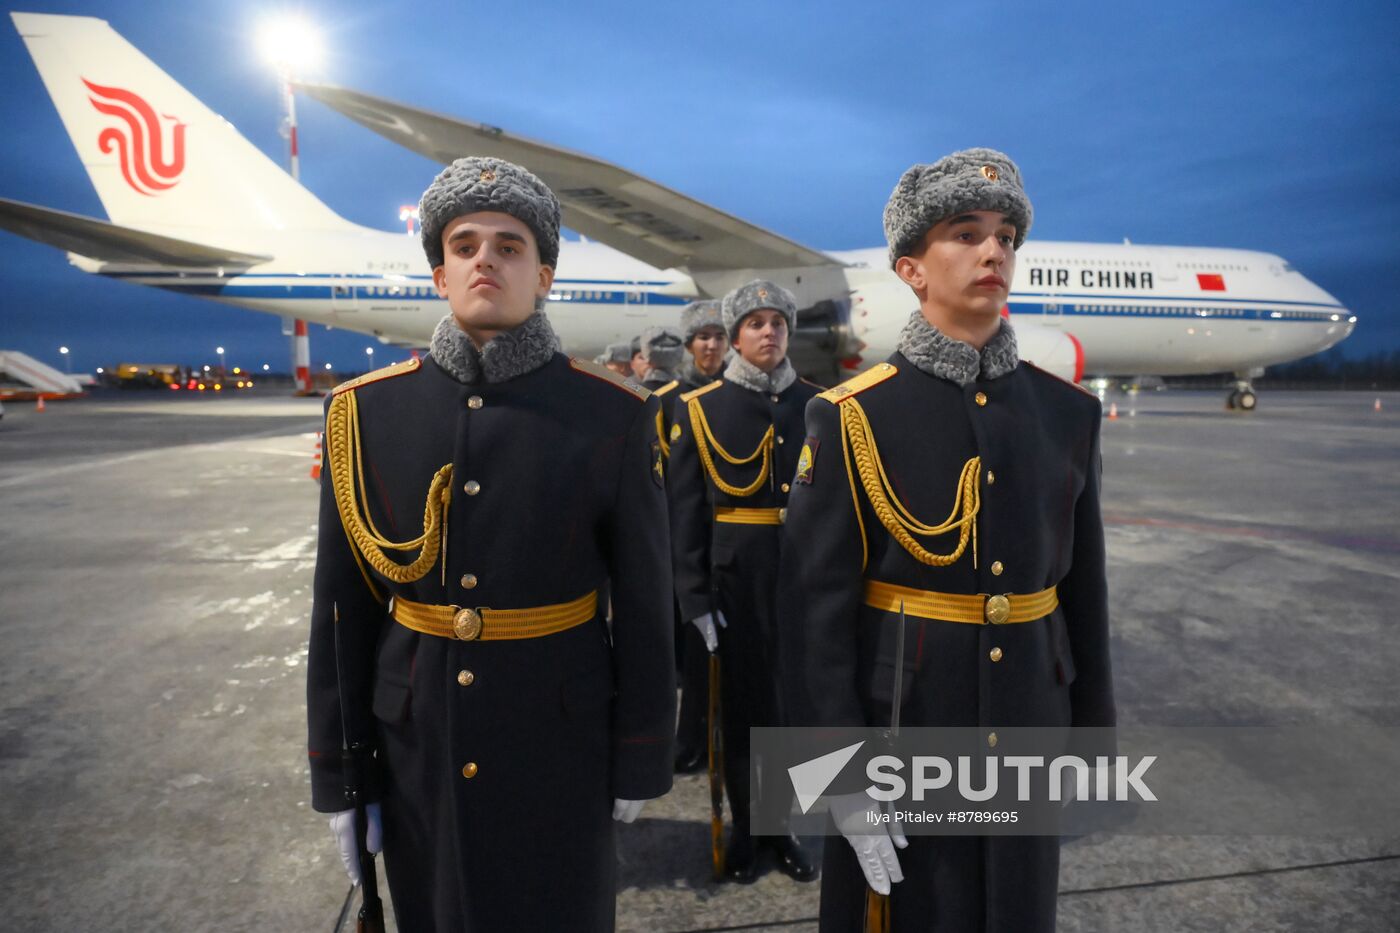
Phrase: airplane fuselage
[1129,309]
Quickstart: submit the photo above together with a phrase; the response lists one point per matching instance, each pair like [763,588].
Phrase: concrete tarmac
[155,570]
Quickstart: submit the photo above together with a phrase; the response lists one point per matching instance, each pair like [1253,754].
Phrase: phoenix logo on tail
[140,142]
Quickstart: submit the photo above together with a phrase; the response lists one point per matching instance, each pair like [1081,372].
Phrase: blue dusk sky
[1265,126]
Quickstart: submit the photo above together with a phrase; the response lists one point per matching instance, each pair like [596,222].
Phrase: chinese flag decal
[1210,283]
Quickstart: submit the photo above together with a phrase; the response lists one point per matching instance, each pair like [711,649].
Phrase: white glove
[625,811]
[706,625]
[343,828]
[858,818]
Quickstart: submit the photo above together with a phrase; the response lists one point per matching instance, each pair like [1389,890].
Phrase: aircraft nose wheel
[1242,400]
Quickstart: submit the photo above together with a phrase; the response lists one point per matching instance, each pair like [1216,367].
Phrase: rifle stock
[715,745]
[354,755]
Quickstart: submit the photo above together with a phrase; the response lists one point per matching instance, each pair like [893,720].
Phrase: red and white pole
[301,342]
[301,357]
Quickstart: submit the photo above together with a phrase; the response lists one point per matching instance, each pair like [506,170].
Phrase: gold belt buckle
[466,624]
[997,610]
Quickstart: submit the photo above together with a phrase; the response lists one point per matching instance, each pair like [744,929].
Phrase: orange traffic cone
[316,462]
[1113,411]
[1378,405]
[39,405]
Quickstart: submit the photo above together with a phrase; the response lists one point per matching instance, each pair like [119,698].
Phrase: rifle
[715,742]
[877,906]
[371,916]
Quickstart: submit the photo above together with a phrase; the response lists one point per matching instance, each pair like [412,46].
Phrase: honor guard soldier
[478,503]
[618,358]
[961,485]
[734,450]
[662,349]
[706,343]
[702,329]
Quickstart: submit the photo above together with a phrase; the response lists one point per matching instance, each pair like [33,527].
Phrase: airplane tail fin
[159,159]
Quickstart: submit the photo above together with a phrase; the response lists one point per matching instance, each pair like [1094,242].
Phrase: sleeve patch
[658,468]
[807,461]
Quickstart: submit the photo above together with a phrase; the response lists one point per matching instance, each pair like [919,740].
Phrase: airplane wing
[108,242]
[612,205]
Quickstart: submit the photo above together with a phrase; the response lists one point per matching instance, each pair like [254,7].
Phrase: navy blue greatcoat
[1038,526]
[498,761]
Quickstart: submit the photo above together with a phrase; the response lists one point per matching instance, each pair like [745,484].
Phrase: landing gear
[1242,397]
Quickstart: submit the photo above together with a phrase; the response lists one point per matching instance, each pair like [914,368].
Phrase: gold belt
[974,609]
[741,516]
[493,624]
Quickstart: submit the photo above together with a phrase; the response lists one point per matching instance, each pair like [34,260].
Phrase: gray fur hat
[479,183]
[970,180]
[698,315]
[662,347]
[634,347]
[755,296]
[615,353]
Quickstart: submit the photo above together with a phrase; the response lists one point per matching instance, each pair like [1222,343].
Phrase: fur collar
[692,378]
[933,352]
[743,373]
[513,353]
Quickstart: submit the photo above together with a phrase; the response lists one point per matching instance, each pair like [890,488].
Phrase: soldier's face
[491,273]
[965,265]
[708,346]
[762,338]
[640,367]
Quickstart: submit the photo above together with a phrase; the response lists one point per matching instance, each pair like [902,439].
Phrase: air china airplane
[195,208]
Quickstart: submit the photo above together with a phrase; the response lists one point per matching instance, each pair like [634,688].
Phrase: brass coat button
[991,477]
[780,439]
[465,678]
[998,609]
[475,402]
[469,769]
[997,568]
[991,740]
[980,398]
[466,625]
[468,581]
[472,487]
[786,487]
[994,654]
[773,397]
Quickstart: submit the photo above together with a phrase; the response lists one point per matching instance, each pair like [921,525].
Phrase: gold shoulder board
[388,372]
[1089,392]
[599,371]
[696,393]
[667,387]
[858,384]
